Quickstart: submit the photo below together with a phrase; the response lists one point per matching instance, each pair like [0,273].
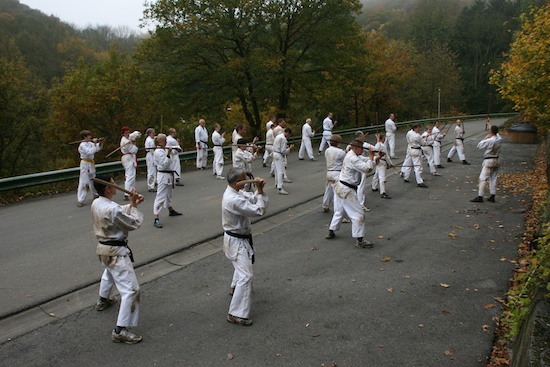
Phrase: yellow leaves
[444,285]
[453,235]
[385,259]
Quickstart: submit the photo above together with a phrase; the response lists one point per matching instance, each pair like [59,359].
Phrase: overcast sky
[93,12]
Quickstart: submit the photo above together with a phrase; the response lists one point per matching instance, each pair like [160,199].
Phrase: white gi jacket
[201,137]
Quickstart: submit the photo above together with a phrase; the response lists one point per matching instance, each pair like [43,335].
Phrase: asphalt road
[420,297]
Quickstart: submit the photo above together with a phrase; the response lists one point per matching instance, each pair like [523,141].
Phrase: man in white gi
[218,140]
[458,146]
[111,223]
[334,157]
[438,137]
[363,184]
[129,150]
[150,159]
[165,178]
[414,156]
[269,138]
[307,134]
[328,125]
[390,128]
[428,151]
[379,177]
[201,141]
[237,208]
[172,141]
[238,133]
[345,198]
[243,160]
[87,148]
[280,150]
[489,169]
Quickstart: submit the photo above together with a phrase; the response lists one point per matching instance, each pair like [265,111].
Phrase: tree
[524,77]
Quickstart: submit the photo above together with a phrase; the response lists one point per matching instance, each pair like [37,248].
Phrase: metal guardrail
[42,178]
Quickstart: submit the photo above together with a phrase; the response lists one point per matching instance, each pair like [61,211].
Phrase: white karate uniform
[86,149]
[129,159]
[334,158]
[390,136]
[379,177]
[237,208]
[201,140]
[280,150]
[458,147]
[269,138]
[428,150]
[436,133]
[112,222]
[345,198]
[327,133]
[176,164]
[414,157]
[234,139]
[165,178]
[243,159]
[363,184]
[217,165]
[489,168]
[307,134]
[150,160]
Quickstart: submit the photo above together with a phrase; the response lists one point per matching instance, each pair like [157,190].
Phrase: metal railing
[44,178]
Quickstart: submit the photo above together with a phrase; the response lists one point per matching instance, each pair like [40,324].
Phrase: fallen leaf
[380,345]
[459,227]
[452,235]
[444,285]
[407,276]
[380,237]
[486,328]
[449,352]
[314,248]
[315,335]
[477,226]
[492,241]
[445,312]
[230,356]
[390,290]
[279,355]
[420,326]
[385,259]
[488,306]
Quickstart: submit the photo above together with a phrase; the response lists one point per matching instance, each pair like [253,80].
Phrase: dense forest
[241,61]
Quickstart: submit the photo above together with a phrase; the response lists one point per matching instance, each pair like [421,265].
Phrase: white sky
[93,12]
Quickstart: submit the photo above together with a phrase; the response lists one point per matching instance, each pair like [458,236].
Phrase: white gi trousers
[306,147]
[121,274]
[279,164]
[437,153]
[379,177]
[202,156]
[351,207]
[217,165]
[242,278]
[151,170]
[488,174]
[413,160]
[129,164]
[361,189]
[458,147]
[325,140]
[390,143]
[428,154]
[163,199]
[87,172]
[332,179]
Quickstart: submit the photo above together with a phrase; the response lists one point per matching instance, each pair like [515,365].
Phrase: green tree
[524,77]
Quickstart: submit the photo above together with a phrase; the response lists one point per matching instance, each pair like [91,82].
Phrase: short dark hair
[85,133]
[288,130]
[99,187]
[494,129]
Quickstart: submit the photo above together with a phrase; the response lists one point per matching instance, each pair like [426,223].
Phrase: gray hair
[234,174]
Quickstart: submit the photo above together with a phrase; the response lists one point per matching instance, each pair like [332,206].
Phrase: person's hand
[260,183]
[135,198]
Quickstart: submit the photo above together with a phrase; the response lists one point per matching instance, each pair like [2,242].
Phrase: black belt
[416,147]
[245,237]
[119,243]
[172,172]
[217,145]
[334,170]
[490,158]
[460,139]
[349,185]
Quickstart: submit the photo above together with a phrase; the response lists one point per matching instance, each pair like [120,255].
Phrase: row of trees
[233,61]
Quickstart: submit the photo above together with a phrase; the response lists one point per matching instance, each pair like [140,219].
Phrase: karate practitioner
[458,146]
[379,177]
[307,134]
[111,223]
[150,159]
[280,150]
[334,157]
[328,125]
[165,178]
[218,140]
[237,208]
[489,169]
[390,128]
[428,151]
[414,156]
[172,141]
[268,139]
[243,160]
[129,150]
[438,137]
[345,198]
[238,133]
[201,140]
[87,148]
